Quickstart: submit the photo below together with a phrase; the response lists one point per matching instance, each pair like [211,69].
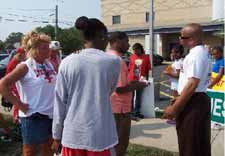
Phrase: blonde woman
[35,82]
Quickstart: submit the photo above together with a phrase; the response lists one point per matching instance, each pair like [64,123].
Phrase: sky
[25,15]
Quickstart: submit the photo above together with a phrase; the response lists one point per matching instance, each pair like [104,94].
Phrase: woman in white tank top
[35,82]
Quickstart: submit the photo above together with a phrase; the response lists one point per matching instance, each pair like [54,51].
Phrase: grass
[14,149]
[10,149]
[138,150]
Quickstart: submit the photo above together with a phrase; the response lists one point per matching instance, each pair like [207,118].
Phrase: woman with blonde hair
[35,82]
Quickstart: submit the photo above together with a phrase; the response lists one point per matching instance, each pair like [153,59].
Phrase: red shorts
[81,152]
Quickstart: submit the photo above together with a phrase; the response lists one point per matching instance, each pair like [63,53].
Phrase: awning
[210,27]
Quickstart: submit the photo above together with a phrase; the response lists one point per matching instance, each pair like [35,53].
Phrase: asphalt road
[162,87]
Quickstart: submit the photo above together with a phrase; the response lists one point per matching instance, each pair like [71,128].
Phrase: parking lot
[162,86]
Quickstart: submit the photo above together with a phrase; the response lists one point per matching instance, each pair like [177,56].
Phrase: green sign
[217,106]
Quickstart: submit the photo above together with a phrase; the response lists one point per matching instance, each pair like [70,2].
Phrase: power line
[27,9]
[11,19]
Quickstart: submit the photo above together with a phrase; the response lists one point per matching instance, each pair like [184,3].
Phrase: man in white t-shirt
[192,107]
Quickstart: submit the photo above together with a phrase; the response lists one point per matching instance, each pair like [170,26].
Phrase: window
[116,19]
[146,16]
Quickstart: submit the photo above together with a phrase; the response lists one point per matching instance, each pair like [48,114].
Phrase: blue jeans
[36,130]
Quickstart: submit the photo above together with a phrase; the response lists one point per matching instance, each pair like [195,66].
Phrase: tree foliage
[13,38]
[70,39]
[48,30]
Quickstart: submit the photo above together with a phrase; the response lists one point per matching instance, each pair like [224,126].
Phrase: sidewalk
[157,133]
[154,133]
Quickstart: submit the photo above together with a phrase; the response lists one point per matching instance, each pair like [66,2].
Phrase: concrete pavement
[154,133]
[157,133]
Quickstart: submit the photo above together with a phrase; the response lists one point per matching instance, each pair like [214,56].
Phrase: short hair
[90,27]
[195,30]
[31,41]
[218,48]
[118,35]
[178,48]
[138,46]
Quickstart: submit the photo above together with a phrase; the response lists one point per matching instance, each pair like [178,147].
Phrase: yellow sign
[220,85]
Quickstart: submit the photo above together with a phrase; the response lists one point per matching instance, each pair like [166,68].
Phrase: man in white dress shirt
[192,107]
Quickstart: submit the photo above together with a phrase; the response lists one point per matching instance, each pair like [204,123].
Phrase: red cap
[20,51]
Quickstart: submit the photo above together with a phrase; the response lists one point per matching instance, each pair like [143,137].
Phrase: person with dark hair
[218,66]
[82,120]
[138,70]
[192,107]
[173,70]
[121,98]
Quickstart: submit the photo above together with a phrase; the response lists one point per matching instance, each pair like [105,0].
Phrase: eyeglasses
[184,37]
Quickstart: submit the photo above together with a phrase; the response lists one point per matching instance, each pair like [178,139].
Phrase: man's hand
[169,112]
[56,145]
[172,101]
[23,107]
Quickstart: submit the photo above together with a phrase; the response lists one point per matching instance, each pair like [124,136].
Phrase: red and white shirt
[144,67]
[37,87]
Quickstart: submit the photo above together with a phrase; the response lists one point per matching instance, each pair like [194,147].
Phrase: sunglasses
[184,37]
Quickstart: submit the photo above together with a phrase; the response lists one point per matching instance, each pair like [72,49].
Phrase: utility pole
[151,33]
[56,22]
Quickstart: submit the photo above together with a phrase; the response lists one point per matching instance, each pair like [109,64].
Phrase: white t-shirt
[36,88]
[175,66]
[196,64]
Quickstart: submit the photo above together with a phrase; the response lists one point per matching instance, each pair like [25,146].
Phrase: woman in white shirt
[35,81]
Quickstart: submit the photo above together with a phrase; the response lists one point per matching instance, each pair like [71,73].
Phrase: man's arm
[180,102]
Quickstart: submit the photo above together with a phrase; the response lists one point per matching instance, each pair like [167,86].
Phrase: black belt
[39,116]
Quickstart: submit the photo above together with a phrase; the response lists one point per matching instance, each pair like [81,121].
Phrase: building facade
[131,16]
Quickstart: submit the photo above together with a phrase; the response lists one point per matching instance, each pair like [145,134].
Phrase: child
[173,71]
[218,67]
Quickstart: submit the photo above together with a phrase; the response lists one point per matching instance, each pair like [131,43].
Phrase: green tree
[71,40]
[49,30]
[13,38]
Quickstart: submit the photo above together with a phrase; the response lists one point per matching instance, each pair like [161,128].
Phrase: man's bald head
[193,30]
[191,35]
